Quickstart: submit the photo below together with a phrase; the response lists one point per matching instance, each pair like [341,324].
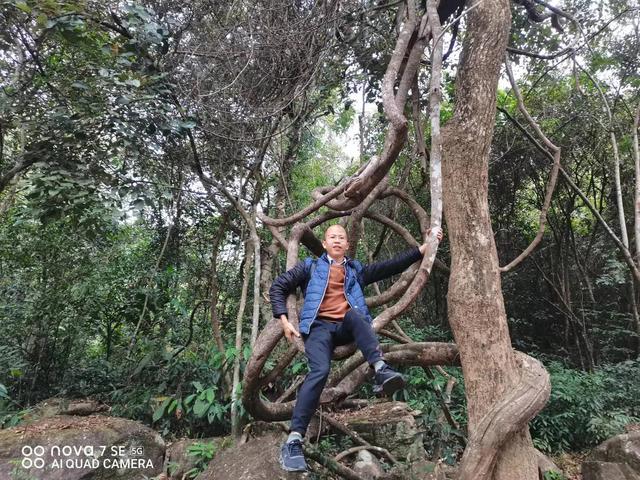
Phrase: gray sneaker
[292,458]
[388,381]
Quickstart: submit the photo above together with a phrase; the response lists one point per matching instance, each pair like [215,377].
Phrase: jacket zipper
[346,278]
[321,298]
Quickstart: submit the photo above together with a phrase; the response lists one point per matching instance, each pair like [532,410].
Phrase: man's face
[335,241]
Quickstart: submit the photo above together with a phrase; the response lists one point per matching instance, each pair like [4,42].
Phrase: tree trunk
[255,315]
[475,304]
[214,317]
[636,209]
[236,426]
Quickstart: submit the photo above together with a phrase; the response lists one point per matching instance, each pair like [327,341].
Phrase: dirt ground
[570,463]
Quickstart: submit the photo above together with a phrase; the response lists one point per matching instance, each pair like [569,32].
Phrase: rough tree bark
[504,390]
[235,397]
[636,210]
[636,163]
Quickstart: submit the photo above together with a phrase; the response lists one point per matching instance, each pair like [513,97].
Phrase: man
[334,313]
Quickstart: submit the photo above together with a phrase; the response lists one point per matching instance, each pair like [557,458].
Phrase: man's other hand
[439,234]
[289,330]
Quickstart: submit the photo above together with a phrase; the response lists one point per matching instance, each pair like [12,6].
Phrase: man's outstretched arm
[375,272]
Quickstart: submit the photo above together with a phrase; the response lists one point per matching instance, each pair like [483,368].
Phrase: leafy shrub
[203,453]
[10,413]
[587,408]
[553,475]
[439,438]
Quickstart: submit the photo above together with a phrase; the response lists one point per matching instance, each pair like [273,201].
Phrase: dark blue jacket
[357,276]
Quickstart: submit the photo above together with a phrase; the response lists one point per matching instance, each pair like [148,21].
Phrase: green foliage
[10,412]
[299,367]
[422,394]
[203,403]
[554,475]
[587,408]
[330,445]
[203,453]
[56,193]
[207,406]
[317,165]
[614,273]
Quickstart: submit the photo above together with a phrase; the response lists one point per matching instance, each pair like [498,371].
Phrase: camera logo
[32,456]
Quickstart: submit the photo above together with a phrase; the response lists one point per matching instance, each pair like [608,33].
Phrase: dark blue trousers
[319,344]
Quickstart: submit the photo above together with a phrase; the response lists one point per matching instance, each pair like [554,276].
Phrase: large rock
[616,459]
[178,462]
[595,470]
[367,466]
[87,448]
[391,425]
[63,406]
[255,460]
[422,470]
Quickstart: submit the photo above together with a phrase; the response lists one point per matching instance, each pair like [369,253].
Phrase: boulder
[391,425]
[63,406]
[367,466]
[422,470]
[177,461]
[595,470]
[616,459]
[257,459]
[89,447]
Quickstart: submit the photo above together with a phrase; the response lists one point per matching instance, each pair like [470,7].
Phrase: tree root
[331,464]
[507,417]
[344,380]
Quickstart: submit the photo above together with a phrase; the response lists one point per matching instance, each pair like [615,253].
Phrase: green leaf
[23,6]
[213,413]
[246,352]
[160,410]
[210,395]
[3,391]
[200,408]
[217,360]
[192,473]
[41,20]
[198,386]
[231,353]
[143,363]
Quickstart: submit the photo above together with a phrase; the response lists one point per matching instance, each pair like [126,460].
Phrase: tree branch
[553,177]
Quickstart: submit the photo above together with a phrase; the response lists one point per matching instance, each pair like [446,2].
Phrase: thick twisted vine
[508,416]
[355,197]
[351,192]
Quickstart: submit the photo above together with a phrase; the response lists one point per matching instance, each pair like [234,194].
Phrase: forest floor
[570,463]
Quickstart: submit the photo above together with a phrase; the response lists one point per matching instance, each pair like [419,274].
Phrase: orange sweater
[334,305]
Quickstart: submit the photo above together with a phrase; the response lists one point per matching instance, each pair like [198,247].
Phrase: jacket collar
[326,258]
